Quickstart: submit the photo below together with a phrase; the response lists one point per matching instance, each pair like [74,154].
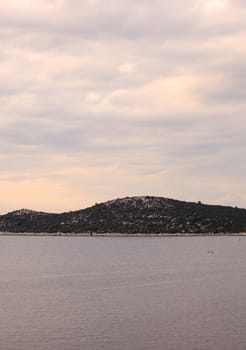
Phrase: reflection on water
[122,293]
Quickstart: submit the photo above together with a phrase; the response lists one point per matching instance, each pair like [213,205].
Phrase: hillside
[132,215]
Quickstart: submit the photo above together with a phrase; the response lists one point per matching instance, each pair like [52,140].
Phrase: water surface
[91,293]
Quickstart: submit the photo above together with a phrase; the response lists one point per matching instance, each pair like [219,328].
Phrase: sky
[108,99]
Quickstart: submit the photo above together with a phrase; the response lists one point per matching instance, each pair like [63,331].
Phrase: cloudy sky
[103,99]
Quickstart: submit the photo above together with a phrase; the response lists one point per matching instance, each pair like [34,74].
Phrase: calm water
[122,293]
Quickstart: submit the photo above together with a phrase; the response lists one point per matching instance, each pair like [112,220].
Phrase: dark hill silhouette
[132,215]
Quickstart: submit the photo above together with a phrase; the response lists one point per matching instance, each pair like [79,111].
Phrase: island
[134,216]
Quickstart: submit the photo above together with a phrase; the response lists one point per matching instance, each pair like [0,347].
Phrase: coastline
[115,234]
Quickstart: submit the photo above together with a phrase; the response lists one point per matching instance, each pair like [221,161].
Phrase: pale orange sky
[105,99]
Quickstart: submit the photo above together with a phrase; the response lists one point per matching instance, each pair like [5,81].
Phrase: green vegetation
[132,215]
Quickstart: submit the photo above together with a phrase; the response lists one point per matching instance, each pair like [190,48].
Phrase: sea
[122,293]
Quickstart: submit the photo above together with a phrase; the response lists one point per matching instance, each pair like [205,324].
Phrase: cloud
[100,99]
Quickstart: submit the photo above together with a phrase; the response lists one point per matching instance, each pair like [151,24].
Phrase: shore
[115,234]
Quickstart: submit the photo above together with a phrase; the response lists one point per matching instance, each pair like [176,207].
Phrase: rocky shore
[94,234]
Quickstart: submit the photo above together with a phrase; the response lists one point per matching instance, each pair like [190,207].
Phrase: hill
[132,215]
